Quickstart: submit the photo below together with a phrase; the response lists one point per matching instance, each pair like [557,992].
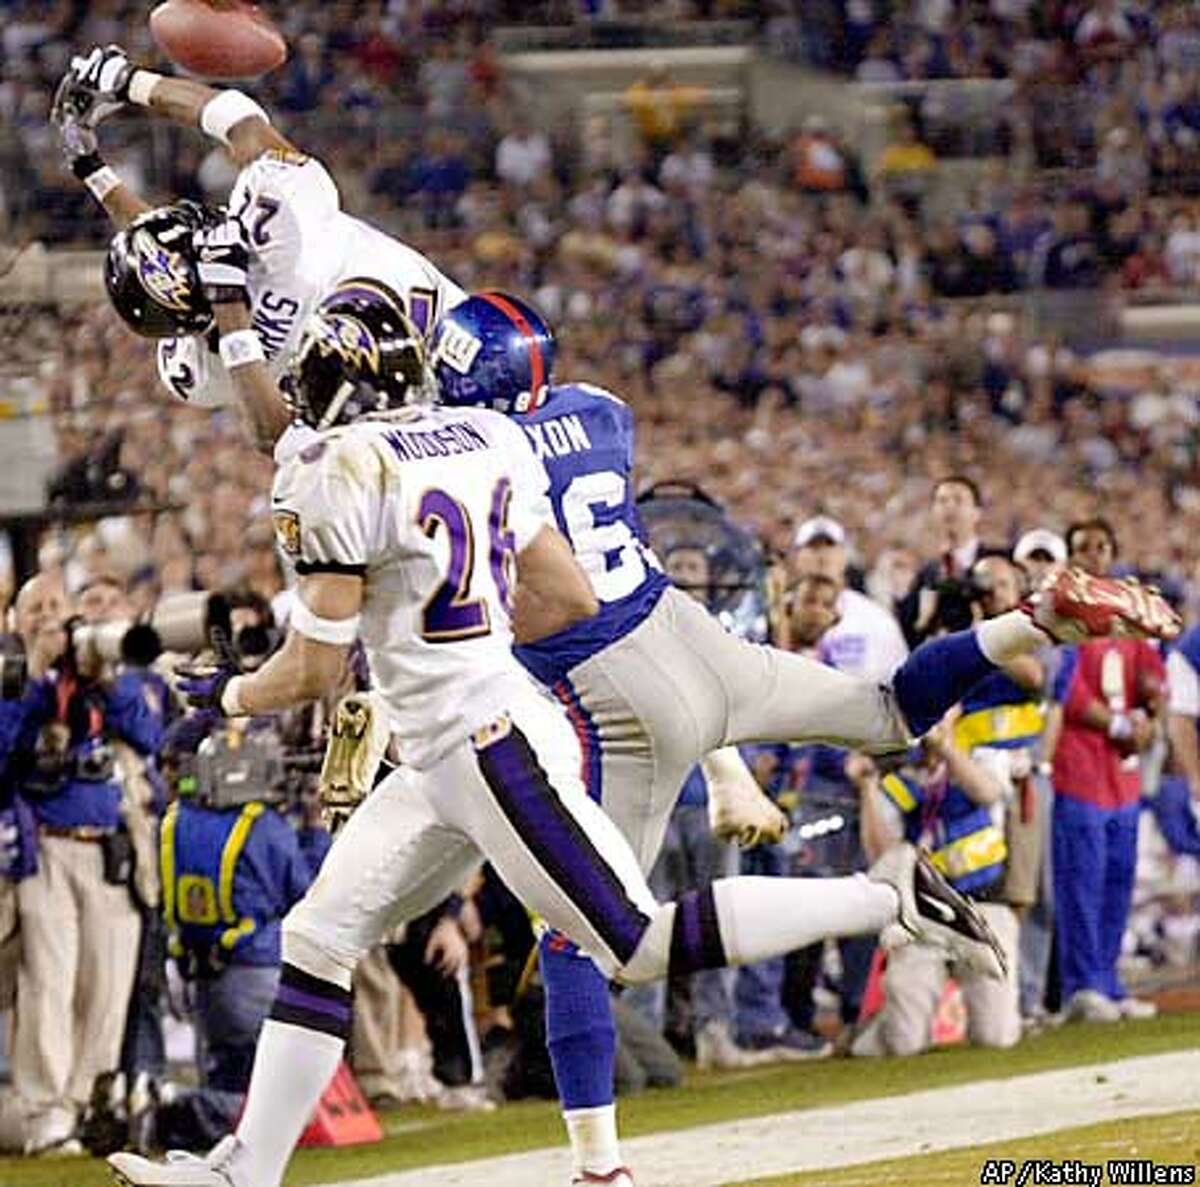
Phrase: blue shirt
[584,437]
[230,875]
[122,709]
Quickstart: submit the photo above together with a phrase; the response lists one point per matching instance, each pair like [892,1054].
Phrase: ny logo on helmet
[346,337]
[164,274]
[458,347]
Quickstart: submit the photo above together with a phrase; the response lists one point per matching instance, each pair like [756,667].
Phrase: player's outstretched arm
[105,80]
[324,624]
[82,154]
[223,258]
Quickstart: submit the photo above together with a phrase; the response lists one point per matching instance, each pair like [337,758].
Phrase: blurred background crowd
[815,332]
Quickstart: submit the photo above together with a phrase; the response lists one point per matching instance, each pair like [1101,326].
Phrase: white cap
[820,527]
[1040,540]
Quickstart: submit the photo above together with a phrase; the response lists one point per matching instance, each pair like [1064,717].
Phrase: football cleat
[358,737]
[1074,606]
[621,1177]
[738,809]
[180,1169]
[933,912]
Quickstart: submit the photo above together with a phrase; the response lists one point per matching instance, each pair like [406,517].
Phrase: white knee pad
[304,948]
[652,957]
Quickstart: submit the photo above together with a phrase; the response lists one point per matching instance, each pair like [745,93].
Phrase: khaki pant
[379,1006]
[916,974]
[79,941]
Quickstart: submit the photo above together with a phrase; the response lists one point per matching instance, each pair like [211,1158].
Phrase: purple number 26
[451,614]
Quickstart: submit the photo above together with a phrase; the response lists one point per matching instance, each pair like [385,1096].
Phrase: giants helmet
[494,351]
[150,272]
[359,355]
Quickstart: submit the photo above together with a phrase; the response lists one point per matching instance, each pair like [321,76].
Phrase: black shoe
[933,912]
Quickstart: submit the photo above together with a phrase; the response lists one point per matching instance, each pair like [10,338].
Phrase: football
[219,39]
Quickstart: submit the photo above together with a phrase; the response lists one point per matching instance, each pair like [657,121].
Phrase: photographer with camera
[953,805]
[59,737]
[941,595]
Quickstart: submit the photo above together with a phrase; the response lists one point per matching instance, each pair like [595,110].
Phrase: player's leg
[637,784]
[524,805]
[394,860]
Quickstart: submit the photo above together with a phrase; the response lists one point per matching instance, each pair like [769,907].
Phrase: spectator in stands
[905,168]
[307,76]
[523,156]
[879,63]
[1068,257]
[819,163]
[660,108]
[1108,693]
[866,639]
[440,178]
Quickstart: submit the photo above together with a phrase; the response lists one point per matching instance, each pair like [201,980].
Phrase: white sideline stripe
[861,1131]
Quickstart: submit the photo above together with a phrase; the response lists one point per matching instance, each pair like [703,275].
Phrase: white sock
[1008,636]
[764,917]
[593,1134]
[292,1068]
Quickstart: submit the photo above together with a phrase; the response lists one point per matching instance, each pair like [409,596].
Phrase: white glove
[94,87]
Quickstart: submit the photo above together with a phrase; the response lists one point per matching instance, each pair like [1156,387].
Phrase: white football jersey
[430,507]
[302,246]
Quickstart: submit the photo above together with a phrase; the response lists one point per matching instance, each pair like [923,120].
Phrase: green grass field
[423,1137]
[1171,1138]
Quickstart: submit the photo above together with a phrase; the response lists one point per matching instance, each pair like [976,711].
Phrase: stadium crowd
[832,387]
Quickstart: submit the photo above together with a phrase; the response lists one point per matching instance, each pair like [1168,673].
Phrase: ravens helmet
[359,355]
[707,554]
[151,276]
[493,351]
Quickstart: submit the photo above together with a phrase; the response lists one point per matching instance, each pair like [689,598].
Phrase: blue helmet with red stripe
[493,351]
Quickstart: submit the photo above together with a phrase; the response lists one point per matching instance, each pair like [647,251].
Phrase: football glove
[94,87]
[79,149]
[202,688]
[223,261]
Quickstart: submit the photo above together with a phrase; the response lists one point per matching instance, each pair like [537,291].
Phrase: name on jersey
[274,317]
[411,445]
[558,437]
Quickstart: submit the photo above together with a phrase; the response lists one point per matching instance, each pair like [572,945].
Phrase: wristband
[240,347]
[83,167]
[1120,727]
[102,183]
[340,632]
[231,697]
[222,114]
[141,87]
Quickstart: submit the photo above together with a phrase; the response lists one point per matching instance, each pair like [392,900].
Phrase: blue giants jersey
[584,437]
